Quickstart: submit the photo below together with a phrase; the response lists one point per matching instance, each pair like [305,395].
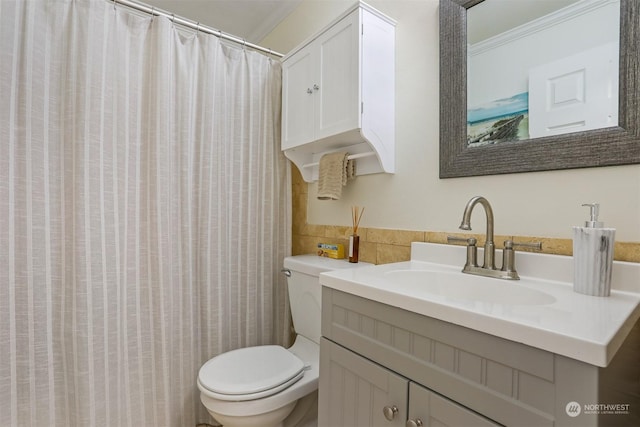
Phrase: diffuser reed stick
[356,215]
[354,239]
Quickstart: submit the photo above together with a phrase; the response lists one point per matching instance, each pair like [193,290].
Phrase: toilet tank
[305,293]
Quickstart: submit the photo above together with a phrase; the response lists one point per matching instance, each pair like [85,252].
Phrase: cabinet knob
[316,87]
[414,423]
[309,91]
[390,412]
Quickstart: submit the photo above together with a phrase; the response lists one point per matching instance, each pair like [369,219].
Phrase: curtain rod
[194,25]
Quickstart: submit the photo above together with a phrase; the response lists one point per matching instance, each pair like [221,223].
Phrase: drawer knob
[390,412]
[414,423]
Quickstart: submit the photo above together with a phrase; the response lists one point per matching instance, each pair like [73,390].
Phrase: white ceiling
[254,19]
[251,20]
[494,17]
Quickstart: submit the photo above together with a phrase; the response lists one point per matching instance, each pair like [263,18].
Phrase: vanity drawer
[506,381]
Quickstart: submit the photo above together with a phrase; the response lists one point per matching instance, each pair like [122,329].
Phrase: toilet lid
[251,372]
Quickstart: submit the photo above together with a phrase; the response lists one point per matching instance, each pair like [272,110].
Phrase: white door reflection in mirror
[574,93]
[499,66]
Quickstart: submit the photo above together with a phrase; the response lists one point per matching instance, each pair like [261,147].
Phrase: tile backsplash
[382,246]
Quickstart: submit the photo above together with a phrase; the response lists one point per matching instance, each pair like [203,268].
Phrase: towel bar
[350,157]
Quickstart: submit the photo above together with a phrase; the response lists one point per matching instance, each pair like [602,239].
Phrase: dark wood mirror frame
[603,147]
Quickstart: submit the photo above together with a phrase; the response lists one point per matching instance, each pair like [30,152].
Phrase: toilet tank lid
[314,265]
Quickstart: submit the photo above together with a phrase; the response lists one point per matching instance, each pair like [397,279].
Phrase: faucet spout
[489,246]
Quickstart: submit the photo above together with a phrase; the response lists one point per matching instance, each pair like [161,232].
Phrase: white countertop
[587,328]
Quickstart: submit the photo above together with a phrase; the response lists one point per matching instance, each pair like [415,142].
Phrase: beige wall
[538,204]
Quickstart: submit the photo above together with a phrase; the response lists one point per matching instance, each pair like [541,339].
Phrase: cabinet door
[337,88]
[436,411]
[354,391]
[298,98]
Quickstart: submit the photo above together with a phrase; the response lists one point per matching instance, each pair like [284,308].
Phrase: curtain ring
[197,28]
[114,5]
[153,12]
[244,42]
[173,19]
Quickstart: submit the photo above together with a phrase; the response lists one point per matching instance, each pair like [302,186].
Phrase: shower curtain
[144,213]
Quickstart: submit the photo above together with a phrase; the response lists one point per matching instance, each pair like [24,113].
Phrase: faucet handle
[470,241]
[531,245]
[472,249]
[509,260]
[509,256]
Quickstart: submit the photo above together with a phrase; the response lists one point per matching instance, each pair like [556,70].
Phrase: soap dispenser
[593,255]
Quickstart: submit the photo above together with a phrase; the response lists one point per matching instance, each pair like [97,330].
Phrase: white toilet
[261,386]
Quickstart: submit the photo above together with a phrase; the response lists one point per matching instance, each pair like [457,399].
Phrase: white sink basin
[465,287]
[540,310]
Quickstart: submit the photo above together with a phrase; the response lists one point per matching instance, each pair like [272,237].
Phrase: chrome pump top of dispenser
[594,212]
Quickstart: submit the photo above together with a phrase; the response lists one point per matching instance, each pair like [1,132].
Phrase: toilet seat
[250,373]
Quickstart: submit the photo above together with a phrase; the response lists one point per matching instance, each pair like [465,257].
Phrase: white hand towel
[334,171]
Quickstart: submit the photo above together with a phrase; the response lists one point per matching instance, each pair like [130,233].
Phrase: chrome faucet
[489,246]
[489,269]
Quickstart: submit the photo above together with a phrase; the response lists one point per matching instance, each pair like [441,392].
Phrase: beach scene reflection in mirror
[548,68]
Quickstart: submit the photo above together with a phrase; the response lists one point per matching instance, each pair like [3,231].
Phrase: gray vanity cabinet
[358,392]
[373,355]
[433,410]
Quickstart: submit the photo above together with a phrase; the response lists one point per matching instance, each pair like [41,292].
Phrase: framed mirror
[614,145]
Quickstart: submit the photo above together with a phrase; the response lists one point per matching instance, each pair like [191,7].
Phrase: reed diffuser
[354,239]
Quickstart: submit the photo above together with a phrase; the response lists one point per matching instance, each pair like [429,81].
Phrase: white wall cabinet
[320,90]
[338,94]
